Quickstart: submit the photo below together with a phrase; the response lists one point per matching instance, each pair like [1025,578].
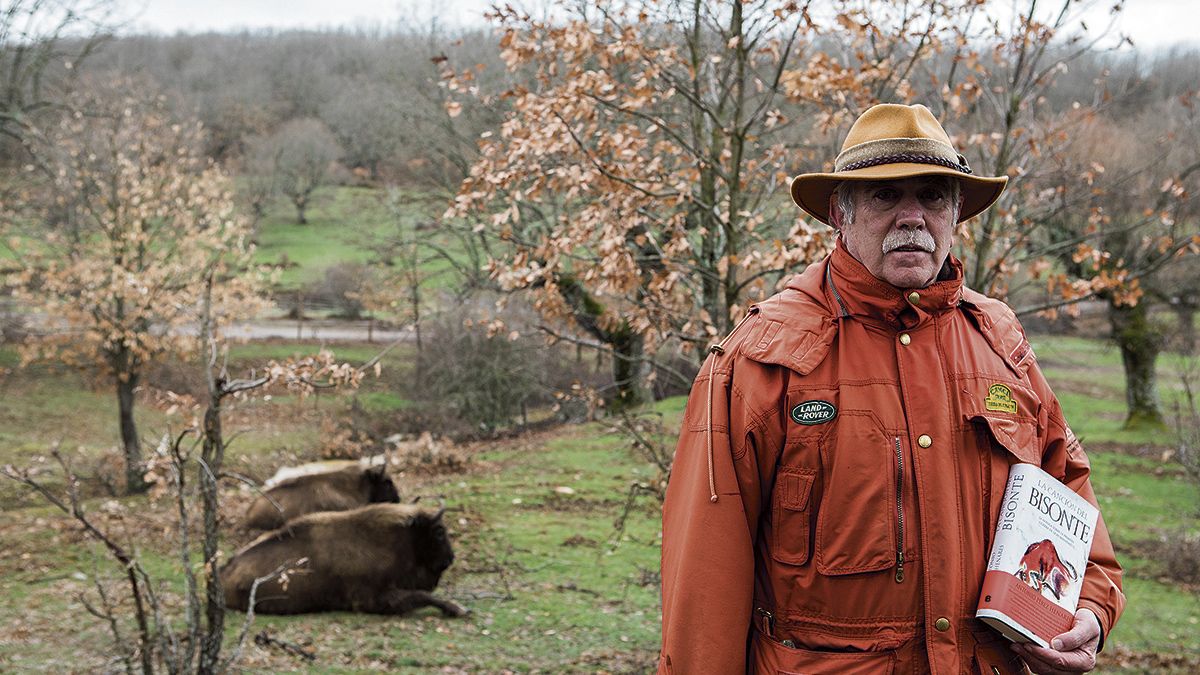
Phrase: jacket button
[905,339]
[924,440]
[789,644]
[914,297]
[942,624]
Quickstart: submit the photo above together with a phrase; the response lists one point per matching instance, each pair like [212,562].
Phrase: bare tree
[43,43]
[299,155]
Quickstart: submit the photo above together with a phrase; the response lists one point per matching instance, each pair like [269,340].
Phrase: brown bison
[379,559]
[1043,570]
[343,487]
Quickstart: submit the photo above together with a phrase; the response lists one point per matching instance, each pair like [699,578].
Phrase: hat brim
[811,191]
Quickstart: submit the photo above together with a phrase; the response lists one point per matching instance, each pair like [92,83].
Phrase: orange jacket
[838,477]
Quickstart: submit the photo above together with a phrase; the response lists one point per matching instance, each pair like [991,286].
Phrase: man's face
[902,230]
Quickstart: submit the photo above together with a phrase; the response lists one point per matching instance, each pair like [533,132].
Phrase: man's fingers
[1070,652]
[1046,661]
[1085,629]
[1072,639]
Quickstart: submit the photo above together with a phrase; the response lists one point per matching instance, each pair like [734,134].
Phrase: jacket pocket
[771,656]
[860,515]
[1018,436]
[791,515]
[996,658]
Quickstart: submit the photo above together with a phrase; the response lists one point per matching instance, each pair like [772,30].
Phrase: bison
[341,487]
[1043,570]
[378,559]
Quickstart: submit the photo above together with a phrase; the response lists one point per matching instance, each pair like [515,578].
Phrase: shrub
[486,378]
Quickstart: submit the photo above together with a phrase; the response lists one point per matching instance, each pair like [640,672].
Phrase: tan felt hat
[891,141]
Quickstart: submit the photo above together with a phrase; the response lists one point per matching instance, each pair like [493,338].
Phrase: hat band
[909,158]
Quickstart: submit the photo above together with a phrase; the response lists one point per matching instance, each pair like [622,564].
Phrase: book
[1039,554]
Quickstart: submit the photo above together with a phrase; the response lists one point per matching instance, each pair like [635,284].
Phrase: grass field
[346,225]
[551,586]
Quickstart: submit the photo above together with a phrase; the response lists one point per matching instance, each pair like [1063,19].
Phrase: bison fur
[347,487]
[378,559]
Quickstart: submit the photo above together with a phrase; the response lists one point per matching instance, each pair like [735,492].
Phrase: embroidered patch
[1073,445]
[1021,352]
[813,412]
[1000,399]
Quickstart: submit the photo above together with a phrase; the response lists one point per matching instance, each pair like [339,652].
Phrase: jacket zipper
[899,512]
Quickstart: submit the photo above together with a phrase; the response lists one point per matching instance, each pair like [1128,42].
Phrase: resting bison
[379,559]
[342,488]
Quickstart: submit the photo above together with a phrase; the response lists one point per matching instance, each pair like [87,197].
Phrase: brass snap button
[914,297]
[942,624]
[905,339]
[924,441]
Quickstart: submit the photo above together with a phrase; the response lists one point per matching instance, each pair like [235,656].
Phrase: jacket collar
[851,290]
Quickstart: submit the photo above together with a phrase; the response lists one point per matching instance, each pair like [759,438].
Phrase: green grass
[1142,497]
[1158,619]
[551,585]
[345,225]
[1089,381]
[340,224]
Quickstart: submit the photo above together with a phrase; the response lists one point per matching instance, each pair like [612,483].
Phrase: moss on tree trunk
[628,370]
[1139,342]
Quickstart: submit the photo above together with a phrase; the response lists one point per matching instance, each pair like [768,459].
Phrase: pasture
[551,586]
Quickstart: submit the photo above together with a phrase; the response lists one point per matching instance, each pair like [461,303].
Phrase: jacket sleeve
[710,518]
[1063,456]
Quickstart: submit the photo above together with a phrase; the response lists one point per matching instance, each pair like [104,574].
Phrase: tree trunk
[1187,328]
[300,201]
[1140,344]
[134,471]
[629,370]
[213,453]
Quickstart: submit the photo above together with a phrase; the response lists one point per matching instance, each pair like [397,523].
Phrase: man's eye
[886,195]
[932,196]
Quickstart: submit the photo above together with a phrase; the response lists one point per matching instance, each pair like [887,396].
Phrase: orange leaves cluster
[128,224]
[638,160]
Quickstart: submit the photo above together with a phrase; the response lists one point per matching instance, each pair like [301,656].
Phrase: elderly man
[841,464]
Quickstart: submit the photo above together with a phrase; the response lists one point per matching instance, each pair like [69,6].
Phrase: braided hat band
[893,142]
[909,159]
[898,150]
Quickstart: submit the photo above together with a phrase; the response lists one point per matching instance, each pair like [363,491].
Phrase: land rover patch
[813,412]
[1000,399]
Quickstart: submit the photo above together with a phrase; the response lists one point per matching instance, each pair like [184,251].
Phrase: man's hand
[1072,652]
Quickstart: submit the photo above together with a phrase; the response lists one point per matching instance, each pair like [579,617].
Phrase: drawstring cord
[716,351]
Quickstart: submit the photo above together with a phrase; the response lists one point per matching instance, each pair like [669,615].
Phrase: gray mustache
[900,238]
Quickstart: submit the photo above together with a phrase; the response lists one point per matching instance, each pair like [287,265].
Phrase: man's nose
[909,213]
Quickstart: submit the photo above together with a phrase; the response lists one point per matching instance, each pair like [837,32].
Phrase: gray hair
[847,198]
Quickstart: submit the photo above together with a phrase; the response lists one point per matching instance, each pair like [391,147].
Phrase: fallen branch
[241,639]
[264,639]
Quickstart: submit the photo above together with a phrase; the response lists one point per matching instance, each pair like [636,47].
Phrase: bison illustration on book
[1043,570]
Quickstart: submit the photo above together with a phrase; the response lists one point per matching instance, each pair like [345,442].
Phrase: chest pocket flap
[1016,432]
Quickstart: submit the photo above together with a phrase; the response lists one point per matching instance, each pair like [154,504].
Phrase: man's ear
[835,213]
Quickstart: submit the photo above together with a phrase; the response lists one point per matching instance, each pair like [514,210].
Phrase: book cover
[1039,554]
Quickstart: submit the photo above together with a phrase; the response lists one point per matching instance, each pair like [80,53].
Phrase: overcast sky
[1149,22]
